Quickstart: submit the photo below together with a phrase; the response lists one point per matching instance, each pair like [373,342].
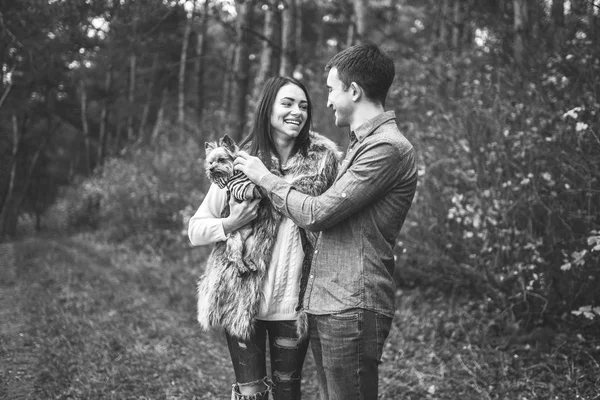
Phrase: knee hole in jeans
[286,343]
[279,376]
[254,387]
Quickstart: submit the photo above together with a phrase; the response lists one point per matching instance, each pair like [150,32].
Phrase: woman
[267,302]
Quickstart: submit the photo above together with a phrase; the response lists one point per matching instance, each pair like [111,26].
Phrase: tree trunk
[288,39]
[558,19]
[266,55]
[182,65]
[38,221]
[277,46]
[7,202]
[594,21]
[320,36]
[142,137]
[351,32]
[11,222]
[360,11]
[520,24]
[456,26]
[535,17]
[299,33]
[85,129]
[9,214]
[228,79]
[131,97]
[104,116]
[444,17]
[199,61]
[117,139]
[159,119]
[457,23]
[241,67]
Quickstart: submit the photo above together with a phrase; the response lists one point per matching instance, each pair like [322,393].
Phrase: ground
[82,319]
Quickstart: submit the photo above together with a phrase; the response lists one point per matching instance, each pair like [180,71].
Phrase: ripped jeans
[287,358]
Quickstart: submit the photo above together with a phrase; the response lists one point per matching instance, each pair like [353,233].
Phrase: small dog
[219,170]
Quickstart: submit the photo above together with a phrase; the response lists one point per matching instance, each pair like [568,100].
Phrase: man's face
[339,100]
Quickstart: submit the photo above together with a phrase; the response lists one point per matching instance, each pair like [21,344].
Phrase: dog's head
[218,162]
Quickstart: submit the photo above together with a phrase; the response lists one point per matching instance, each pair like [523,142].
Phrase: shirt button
[312,276]
[316,251]
[344,195]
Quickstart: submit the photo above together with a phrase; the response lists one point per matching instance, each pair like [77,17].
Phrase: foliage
[449,347]
[143,198]
[509,196]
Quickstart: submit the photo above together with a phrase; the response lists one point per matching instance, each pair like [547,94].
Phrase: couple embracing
[317,269]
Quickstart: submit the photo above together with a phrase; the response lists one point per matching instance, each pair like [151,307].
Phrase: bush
[144,198]
[508,202]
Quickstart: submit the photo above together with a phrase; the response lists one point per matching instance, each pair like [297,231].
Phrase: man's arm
[373,172]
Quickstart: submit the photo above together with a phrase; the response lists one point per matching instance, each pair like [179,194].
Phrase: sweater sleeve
[206,226]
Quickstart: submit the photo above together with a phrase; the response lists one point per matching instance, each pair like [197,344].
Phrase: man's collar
[368,127]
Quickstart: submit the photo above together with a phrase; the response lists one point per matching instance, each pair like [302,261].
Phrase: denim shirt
[359,217]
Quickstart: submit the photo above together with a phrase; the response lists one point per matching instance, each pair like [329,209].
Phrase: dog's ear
[209,146]
[228,143]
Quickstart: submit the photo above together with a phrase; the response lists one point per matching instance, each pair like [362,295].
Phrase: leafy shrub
[508,202]
[144,198]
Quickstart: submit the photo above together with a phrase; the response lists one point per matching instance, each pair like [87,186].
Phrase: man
[349,297]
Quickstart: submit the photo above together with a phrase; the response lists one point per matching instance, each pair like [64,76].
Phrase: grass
[82,319]
[94,322]
[454,350]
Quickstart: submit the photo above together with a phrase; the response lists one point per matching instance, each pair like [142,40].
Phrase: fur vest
[231,301]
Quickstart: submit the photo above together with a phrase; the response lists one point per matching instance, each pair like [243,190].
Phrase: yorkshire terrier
[219,170]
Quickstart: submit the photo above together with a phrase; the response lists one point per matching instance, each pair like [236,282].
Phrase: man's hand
[251,166]
[240,214]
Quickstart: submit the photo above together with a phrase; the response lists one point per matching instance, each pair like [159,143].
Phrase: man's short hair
[371,68]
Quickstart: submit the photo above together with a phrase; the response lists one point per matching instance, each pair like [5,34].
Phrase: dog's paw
[251,266]
[240,267]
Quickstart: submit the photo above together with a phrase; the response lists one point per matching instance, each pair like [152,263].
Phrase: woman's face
[290,111]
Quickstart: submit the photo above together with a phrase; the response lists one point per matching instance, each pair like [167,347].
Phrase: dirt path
[18,359]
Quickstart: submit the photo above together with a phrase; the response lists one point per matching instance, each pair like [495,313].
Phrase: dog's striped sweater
[240,187]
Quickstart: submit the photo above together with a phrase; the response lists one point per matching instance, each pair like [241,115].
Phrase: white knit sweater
[282,283]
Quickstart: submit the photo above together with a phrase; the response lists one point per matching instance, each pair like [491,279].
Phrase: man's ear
[356,91]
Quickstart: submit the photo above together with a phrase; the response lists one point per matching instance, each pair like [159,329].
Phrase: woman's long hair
[260,138]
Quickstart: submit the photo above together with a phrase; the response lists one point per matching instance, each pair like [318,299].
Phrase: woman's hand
[240,214]
[251,166]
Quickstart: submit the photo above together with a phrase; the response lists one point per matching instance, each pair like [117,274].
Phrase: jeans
[347,349]
[287,358]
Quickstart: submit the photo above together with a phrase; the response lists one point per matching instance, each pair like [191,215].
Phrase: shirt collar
[368,127]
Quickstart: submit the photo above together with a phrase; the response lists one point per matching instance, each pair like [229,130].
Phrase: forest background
[105,106]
